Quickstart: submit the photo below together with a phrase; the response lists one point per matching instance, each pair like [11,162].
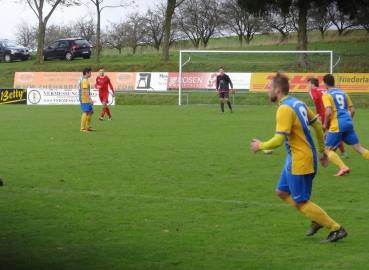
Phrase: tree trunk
[302,60]
[240,40]
[321,33]
[98,32]
[171,4]
[340,32]
[40,42]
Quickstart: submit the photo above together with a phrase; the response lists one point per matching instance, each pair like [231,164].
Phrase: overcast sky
[12,13]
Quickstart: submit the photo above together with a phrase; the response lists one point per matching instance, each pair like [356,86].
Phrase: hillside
[352,47]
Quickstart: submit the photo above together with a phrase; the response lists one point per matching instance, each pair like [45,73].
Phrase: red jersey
[103,82]
[316,94]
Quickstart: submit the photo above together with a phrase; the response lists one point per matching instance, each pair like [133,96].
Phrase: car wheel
[24,59]
[68,56]
[86,57]
[7,58]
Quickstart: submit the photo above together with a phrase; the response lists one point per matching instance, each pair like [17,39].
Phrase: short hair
[221,68]
[280,80]
[86,70]
[328,79]
[101,68]
[313,81]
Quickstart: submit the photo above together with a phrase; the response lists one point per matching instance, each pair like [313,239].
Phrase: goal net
[249,71]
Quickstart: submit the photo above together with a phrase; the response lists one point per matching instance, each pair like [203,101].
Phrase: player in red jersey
[102,83]
[316,94]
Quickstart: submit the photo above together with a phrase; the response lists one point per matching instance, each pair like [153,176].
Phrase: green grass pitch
[165,187]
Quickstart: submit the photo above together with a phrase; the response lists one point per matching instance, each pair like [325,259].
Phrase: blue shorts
[349,137]
[86,107]
[299,186]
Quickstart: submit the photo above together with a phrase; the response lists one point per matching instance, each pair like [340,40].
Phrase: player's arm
[319,134]
[351,106]
[97,85]
[328,109]
[111,87]
[231,84]
[217,84]
[318,129]
[87,94]
[284,124]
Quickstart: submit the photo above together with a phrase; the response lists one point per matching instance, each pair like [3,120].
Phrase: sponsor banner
[38,96]
[353,82]
[152,81]
[206,80]
[350,82]
[13,96]
[122,81]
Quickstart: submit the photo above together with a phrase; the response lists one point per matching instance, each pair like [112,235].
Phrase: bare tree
[99,8]
[134,31]
[58,31]
[363,19]
[200,20]
[84,27]
[26,34]
[154,23]
[318,19]
[116,35]
[234,18]
[280,23]
[169,11]
[340,19]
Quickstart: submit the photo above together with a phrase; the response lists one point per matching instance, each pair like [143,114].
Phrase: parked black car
[10,51]
[68,48]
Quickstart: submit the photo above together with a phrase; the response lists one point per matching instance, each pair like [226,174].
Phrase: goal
[250,70]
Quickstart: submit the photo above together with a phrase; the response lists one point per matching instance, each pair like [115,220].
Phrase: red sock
[108,111]
[342,147]
[103,112]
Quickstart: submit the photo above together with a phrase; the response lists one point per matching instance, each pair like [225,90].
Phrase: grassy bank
[352,47]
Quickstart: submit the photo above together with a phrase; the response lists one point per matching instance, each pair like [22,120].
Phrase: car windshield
[8,44]
[81,41]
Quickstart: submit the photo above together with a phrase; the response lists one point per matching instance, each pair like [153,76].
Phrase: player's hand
[113,94]
[91,102]
[324,160]
[255,145]
[232,91]
[216,90]
[324,126]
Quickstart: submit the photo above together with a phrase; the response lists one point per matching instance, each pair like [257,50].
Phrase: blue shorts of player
[299,186]
[86,107]
[224,95]
[349,137]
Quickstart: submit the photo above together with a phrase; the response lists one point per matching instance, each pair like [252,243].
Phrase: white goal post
[192,61]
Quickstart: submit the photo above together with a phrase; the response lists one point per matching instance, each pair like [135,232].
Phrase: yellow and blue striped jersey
[340,103]
[83,84]
[293,120]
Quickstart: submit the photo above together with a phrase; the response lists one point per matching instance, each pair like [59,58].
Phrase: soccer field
[166,187]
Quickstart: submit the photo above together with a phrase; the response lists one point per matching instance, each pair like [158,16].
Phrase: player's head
[328,80]
[312,82]
[87,72]
[101,71]
[278,86]
[221,70]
